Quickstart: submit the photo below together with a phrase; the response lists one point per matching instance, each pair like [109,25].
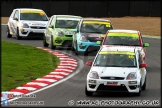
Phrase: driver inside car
[127,61]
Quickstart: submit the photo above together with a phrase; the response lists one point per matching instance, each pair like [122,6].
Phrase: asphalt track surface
[73,88]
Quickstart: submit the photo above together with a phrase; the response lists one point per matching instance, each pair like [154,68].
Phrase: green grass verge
[21,64]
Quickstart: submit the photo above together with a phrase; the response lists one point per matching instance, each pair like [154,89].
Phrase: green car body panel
[60,29]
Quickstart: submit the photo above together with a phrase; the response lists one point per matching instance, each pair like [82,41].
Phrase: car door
[142,70]
[15,21]
[76,35]
[11,22]
[48,31]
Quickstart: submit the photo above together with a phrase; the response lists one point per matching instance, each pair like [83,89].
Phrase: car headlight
[132,76]
[83,38]
[59,34]
[25,25]
[94,75]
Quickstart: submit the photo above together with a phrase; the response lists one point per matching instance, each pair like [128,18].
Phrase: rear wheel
[17,35]
[45,44]
[88,93]
[8,33]
[52,46]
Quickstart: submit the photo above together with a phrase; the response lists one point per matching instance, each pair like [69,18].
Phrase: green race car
[59,30]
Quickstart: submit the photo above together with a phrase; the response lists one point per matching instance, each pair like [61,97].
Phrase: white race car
[25,22]
[116,69]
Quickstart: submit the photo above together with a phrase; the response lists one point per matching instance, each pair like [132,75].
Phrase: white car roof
[118,48]
[123,30]
[28,9]
[68,16]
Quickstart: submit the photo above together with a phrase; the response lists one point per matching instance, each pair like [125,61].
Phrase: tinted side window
[139,58]
[13,13]
[50,21]
[16,15]
[141,38]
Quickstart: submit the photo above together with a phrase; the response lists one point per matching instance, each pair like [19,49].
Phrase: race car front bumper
[27,32]
[62,41]
[100,85]
[87,46]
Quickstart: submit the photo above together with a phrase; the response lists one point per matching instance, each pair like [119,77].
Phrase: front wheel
[140,90]
[72,47]
[8,33]
[88,93]
[76,49]
[45,44]
[17,35]
[52,46]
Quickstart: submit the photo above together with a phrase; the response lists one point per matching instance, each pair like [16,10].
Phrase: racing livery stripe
[66,67]
[13,27]
[96,22]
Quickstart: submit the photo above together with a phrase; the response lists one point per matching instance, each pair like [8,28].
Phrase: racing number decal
[130,56]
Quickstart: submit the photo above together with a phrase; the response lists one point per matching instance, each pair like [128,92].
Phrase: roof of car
[123,31]
[28,9]
[96,19]
[67,16]
[118,48]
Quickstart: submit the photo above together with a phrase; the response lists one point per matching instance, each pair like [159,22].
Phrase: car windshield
[95,27]
[33,16]
[116,59]
[64,23]
[122,40]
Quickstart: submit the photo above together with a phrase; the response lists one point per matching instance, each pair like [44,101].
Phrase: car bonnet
[113,71]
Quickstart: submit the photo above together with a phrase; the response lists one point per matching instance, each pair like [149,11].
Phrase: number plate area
[112,83]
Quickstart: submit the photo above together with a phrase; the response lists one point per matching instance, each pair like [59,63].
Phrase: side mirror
[143,65]
[50,26]
[98,42]
[15,19]
[75,30]
[146,45]
[89,63]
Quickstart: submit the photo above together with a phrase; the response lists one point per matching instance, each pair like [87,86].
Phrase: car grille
[103,87]
[94,39]
[36,34]
[69,35]
[114,78]
[35,27]
[67,43]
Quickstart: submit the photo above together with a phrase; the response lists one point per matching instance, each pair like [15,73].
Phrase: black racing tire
[17,35]
[52,46]
[76,49]
[144,85]
[8,32]
[72,47]
[45,44]
[140,90]
[88,93]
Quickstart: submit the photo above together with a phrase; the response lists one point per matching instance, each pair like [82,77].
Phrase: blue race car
[88,32]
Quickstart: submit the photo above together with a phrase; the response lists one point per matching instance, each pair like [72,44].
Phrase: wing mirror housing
[89,63]
[146,45]
[143,65]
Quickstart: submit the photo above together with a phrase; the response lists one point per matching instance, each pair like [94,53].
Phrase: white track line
[27,88]
[38,83]
[44,79]
[53,76]
[63,73]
